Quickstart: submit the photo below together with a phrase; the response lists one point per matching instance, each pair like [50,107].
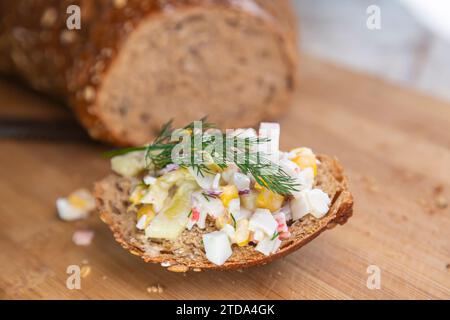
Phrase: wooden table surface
[393,142]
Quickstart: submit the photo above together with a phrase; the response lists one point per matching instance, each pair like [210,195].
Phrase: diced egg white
[205,181]
[234,207]
[229,230]
[213,206]
[320,203]
[217,247]
[314,202]
[242,214]
[241,181]
[228,173]
[268,246]
[289,167]
[286,210]
[258,235]
[216,182]
[263,220]
[141,222]
[149,180]
[76,206]
[303,178]
[271,131]
[67,212]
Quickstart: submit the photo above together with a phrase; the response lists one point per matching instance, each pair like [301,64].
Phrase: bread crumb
[89,94]
[441,202]
[67,37]
[119,4]
[155,289]
[437,202]
[49,17]
[178,268]
[197,270]
[85,261]
[85,271]
[438,189]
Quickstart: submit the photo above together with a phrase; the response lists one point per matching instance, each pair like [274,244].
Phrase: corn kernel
[229,193]
[222,220]
[248,201]
[148,211]
[210,164]
[304,158]
[77,201]
[308,161]
[269,200]
[242,235]
[137,195]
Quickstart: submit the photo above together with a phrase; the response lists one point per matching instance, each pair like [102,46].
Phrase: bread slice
[135,64]
[186,253]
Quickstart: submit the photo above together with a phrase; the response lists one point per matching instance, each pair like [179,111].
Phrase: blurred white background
[411,48]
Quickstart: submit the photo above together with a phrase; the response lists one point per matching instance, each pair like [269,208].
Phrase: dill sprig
[236,149]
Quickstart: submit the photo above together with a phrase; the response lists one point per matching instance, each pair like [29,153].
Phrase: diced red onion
[213,193]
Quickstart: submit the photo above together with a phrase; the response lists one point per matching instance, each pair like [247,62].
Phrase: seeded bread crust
[134,64]
[187,253]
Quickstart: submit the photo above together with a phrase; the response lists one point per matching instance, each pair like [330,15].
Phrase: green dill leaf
[205,196]
[159,154]
[275,235]
[234,220]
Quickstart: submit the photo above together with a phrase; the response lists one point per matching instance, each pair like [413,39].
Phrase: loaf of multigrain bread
[187,253]
[136,63]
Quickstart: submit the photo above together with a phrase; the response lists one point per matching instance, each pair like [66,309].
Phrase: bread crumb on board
[85,271]
[178,268]
[155,289]
[437,201]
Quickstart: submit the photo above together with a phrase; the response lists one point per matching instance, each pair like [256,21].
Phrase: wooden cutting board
[393,142]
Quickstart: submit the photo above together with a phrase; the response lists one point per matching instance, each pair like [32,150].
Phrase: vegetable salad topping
[239,181]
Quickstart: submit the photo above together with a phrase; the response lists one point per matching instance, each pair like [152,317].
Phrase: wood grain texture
[393,142]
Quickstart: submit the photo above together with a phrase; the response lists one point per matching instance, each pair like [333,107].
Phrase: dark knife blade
[35,129]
